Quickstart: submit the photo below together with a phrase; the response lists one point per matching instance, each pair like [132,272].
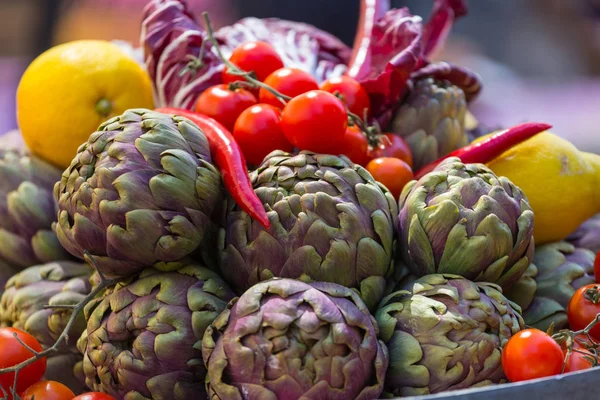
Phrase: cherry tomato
[258,132]
[288,81]
[259,57]
[391,145]
[315,121]
[392,172]
[531,354]
[583,308]
[12,353]
[353,95]
[47,390]
[597,268]
[355,146]
[94,396]
[578,361]
[224,105]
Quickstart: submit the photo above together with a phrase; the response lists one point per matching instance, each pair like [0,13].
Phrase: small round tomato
[315,121]
[224,105]
[578,361]
[391,145]
[355,146]
[12,353]
[288,81]
[531,354]
[259,57]
[597,268]
[352,94]
[258,132]
[391,172]
[47,390]
[94,396]
[583,308]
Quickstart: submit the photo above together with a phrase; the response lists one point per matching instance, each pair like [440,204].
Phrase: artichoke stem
[104,107]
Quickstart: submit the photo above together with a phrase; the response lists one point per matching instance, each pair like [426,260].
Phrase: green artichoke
[285,339]
[445,333]
[330,221]
[141,191]
[464,220]
[432,120]
[588,235]
[27,211]
[544,291]
[143,337]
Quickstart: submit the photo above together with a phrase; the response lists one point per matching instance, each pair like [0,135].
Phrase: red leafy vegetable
[440,23]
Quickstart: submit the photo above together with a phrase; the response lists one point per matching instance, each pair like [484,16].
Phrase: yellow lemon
[561,183]
[68,91]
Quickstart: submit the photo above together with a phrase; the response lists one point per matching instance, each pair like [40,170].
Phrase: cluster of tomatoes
[308,116]
[532,353]
[29,385]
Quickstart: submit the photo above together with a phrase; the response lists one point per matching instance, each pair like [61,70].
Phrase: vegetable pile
[294,219]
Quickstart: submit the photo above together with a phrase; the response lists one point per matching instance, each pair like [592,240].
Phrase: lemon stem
[104,107]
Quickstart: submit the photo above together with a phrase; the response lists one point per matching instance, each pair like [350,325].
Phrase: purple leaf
[436,30]
[467,80]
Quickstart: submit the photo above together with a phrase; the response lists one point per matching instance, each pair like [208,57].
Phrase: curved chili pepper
[492,147]
[230,161]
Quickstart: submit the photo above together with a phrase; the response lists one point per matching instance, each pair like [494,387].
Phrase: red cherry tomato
[531,354]
[259,57]
[288,81]
[597,268]
[355,146]
[583,308]
[224,105]
[258,132]
[13,353]
[392,172]
[353,95]
[47,390]
[94,396]
[315,121]
[580,358]
[391,145]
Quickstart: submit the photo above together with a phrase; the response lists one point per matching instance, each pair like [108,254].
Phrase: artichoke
[544,291]
[27,211]
[464,220]
[588,235]
[330,221]
[141,191]
[432,120]
[143,337]
[445,333]
[285,339]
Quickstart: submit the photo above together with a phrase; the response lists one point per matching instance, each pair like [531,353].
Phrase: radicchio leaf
[440,22]
[467,80]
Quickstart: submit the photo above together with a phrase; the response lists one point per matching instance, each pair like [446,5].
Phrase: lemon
[68,91]
[561,183]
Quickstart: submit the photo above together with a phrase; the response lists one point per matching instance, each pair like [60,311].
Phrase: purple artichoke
[285,339]
[143,337]
[588,235]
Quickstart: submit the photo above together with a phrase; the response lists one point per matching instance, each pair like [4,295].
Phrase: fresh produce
[580,357]
[315,121]
[391,172]
[587,235]
[531,354]
[27,211]
[390,145]
[465,220]
[230,160]
[143,336]
[445,333]
[47,390]
[14,353]
[355,146]
[352,94]
[289,82]
[597,267]
[93,396]
[141,191]
[314,340]
[550,180]
[544,291]
[258,57]
[224,105]
[583,308]
[258,132]
[80,84]
[330,222]
[432,121]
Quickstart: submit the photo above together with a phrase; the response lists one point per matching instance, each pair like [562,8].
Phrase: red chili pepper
[230,161]
[490,148]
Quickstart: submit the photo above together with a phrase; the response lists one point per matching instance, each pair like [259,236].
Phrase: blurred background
[539,59]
